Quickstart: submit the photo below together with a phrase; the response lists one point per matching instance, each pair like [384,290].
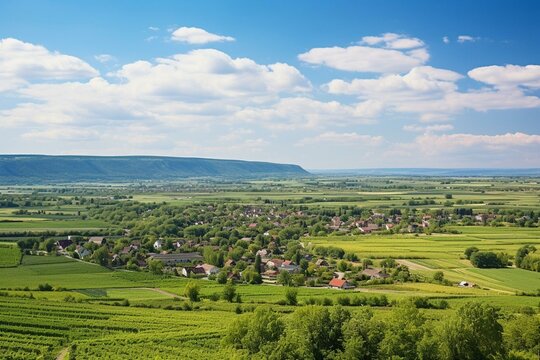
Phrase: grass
[47,225]
[10,255]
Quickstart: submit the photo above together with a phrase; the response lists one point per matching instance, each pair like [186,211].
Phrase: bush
[229,292]
[291,296]
[45,287]
[191,291]
[344,300]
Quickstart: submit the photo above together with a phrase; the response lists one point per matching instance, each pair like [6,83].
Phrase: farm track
[62,355]
[163,292]
[412,265]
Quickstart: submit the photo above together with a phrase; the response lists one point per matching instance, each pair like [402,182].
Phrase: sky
[323,84]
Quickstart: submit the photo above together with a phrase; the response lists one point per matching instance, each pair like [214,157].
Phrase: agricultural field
[10,255]
[84,309]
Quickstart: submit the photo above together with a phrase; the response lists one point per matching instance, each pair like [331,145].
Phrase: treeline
[314,332]
[526,258]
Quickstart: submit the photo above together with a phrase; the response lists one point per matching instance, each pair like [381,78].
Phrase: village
[261,245]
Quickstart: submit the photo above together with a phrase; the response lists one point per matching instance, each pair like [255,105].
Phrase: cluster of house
[81,251]
[271,267]
[339,281]
[376,222]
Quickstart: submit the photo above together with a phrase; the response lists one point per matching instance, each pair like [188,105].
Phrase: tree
[403,332]
[251,276]
[49,245]
[438,276]
[258,263]
[472,333]
[361,336]
[469,251]
[229,291]
[192,290]
[522,253]
[155,266]
[255,331]
[221,277]
[485,259]
[101,256]
[284,278]
[388,263]
[523,334]
[313,332]
[290,296]
[298,280]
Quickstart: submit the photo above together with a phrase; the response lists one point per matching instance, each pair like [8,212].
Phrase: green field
[10,255]
[95,312]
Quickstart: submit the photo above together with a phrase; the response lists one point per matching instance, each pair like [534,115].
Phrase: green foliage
[438,276]
[486,259]
[255,332]
[192,290]
[291,296]
[229,292]
[155,266]
[474,332]
[523,334]
[527,259]
[469,251]
[285,278]
[101,256]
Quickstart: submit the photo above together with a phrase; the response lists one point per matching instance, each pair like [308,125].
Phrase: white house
[158,244]
[82,252]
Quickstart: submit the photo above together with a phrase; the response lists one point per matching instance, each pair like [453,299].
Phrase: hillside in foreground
[44,168]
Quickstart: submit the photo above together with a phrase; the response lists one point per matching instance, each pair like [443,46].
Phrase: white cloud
[305,113]
[194,35]
[425,80]
[466,38]
[22,62]
[446,40]
[397,54]
[459,142]
[393,41]
[194,89]
[342,139]
[508,76]
[153,28]
[428,128]
[104,58]
[433,93]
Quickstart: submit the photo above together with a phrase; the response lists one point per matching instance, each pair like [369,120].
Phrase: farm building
[340,284]
[179,258]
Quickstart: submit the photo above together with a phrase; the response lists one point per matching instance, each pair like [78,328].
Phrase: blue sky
[333,84]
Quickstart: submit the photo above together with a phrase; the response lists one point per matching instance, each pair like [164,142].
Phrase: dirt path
[163,292]
[412,265]
[62,355]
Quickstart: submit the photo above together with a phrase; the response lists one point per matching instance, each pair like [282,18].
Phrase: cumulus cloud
[22,62]
[446,40]
[388,53]
[433,94]
[393,41]
[194,35]
[508,76]
[305,113]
